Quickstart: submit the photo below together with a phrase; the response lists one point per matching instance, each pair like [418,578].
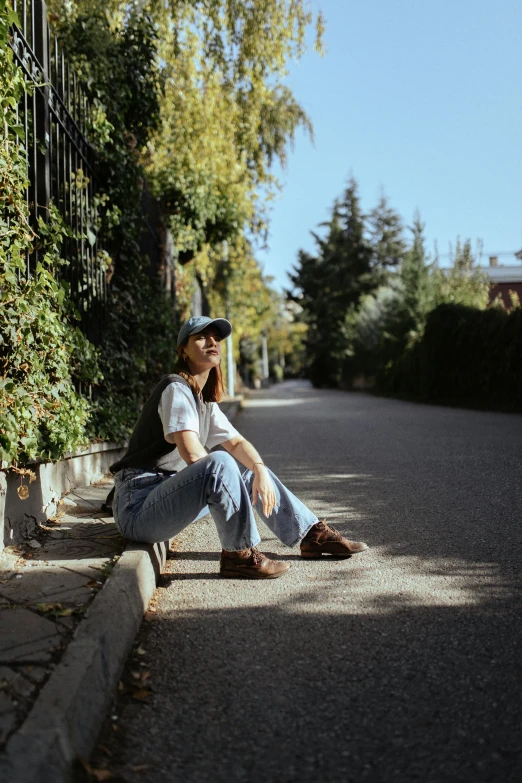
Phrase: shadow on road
[293,692]
[395,666]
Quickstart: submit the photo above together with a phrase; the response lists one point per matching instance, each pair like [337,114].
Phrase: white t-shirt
[179,411]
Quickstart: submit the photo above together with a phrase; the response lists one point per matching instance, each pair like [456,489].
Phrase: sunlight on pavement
[407,583]
[343,476]
[276,403]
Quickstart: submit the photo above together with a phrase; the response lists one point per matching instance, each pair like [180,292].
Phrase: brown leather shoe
[322,539]
[250,564]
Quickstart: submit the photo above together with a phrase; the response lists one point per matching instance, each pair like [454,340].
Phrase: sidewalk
[65,633]
[66,630]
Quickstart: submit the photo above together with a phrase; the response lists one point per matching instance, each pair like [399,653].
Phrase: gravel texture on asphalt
[399,664]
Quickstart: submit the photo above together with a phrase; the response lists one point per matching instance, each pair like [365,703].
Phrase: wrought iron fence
[55,115]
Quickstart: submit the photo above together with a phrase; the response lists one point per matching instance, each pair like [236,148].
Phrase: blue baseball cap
[200,322]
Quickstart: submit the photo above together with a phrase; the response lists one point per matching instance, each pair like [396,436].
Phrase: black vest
[147,447]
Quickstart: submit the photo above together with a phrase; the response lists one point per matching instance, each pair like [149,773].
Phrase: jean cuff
[302,535]
[241,548]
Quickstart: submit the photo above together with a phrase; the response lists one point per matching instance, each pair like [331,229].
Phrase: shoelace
[327,529]
[257,556]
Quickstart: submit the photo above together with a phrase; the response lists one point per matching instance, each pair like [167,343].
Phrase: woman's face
[203,350]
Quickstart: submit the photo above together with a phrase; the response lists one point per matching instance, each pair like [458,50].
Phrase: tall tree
[415,277]
[328,284]
[386,237]
[225,114]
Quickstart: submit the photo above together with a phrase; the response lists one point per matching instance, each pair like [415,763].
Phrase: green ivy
[123,81]
[42,351]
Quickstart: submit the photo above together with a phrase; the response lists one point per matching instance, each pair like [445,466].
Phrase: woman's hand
[263,485]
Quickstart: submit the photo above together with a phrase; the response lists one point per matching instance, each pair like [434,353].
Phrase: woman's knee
[222,459]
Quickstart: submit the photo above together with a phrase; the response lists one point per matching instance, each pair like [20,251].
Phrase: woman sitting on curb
[167,479]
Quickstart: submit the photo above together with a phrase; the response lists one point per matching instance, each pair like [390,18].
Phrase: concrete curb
[66,718]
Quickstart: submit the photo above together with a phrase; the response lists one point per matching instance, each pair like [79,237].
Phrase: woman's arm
[247,454]
[189,445]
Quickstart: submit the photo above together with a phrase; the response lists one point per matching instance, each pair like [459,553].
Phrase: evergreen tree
[330,283]
[415,277]
[386,238]
[391,317]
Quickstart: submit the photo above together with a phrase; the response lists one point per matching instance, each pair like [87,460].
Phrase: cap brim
[223,326]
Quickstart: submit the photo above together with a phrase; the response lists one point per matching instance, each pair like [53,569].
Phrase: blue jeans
[153,507]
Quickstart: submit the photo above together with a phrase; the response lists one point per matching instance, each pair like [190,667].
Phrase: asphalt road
[400,664]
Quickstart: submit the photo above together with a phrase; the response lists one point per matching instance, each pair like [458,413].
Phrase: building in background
[505,278]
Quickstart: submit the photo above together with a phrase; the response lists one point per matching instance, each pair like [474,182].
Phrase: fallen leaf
[48,608]
[136,675]
[66,612]
[91,583]
[141,694]
[121,686]
[145,675]
[141,651]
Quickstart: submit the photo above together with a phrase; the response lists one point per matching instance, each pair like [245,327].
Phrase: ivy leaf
[20,131]
[12,18]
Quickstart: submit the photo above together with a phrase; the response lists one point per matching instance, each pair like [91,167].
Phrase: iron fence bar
[41,123]
[60,161]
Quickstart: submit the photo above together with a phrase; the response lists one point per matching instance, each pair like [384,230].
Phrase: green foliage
[189,97]
[172,102]
[467,357]
[329,286]
[394,315]
[418,290]
[386,238]
[41,351]
[222,112]
[44,357]
[119,67]
[463,283]
[377,331]
[367,301]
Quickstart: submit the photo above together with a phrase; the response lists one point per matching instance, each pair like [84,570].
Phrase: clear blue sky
[421,101]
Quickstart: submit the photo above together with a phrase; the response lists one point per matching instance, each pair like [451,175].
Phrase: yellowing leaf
[53,607]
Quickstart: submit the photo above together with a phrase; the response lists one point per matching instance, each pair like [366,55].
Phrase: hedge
[466,357]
